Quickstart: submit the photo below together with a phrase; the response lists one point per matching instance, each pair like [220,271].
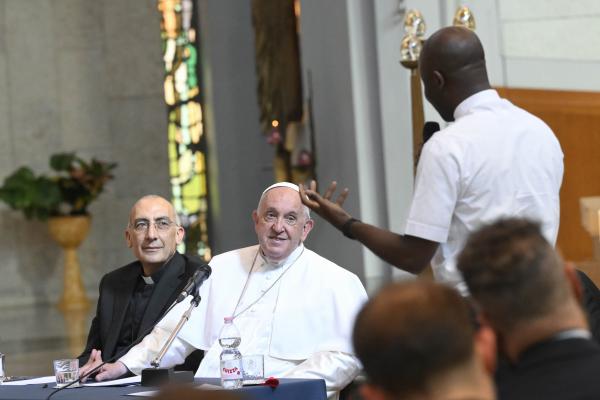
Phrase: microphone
[201,274]
[429,129]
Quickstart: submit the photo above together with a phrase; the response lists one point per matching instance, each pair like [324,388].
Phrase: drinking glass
[66,371]
[253,368]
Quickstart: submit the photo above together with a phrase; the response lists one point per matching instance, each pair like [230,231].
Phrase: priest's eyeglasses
[142,225]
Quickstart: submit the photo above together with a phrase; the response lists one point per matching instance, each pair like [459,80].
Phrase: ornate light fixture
[410,50]
[414,23]
[464,17]
[410,47]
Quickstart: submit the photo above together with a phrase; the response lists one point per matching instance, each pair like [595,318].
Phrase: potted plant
[63,200]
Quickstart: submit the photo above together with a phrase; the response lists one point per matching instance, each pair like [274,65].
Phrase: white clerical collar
[478,98]
[291,258]
[148,280]
[573,334]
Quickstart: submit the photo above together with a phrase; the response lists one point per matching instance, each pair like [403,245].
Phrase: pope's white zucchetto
[282,184]
[288,185]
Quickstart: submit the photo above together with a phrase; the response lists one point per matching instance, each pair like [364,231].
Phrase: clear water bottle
[231,358]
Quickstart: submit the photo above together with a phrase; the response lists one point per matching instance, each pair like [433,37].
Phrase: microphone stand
[156,376]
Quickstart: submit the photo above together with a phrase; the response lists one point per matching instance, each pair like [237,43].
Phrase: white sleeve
[436,191]
[337,368]
[140,356]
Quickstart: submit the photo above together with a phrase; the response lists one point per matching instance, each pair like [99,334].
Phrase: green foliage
[37,197]
[76,184]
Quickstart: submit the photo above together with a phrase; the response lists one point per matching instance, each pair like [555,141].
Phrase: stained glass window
[187,142]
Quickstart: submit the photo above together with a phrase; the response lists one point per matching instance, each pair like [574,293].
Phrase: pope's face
[280,223]
[153,234]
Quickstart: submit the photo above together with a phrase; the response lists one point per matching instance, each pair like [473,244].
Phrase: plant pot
[69,232]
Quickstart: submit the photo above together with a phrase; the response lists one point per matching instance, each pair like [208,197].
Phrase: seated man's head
[281,221]
[417,340]
[153,232]
[517,278]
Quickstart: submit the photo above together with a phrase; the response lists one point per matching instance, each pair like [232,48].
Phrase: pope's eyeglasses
[272,218]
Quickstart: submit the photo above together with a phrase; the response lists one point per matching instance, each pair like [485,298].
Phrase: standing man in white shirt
[290,304]
[493,160]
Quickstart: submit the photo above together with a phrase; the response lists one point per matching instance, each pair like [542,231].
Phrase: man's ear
[255,217]
[573,279]
[128,238]
[371,392]
[486,345]
[308,225]
[180,234]
[439,79]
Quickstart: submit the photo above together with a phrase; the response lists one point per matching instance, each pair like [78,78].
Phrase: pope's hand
[111,371]
[329,210]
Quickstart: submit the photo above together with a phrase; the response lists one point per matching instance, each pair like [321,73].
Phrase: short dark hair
[512,272]
[410,332]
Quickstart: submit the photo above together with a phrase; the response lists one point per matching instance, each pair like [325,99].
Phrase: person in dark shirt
[591,304]
[532,300]
[134,297]
[416,341]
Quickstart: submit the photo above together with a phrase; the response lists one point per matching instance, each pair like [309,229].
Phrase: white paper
[208,386]
[117,382]
[150,393]
[34,381]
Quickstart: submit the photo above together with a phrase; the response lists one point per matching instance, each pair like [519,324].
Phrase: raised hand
[329,210]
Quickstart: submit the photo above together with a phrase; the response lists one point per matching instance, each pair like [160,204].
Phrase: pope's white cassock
[299,314]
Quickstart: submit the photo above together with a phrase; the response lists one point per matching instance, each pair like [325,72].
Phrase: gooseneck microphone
[196,280]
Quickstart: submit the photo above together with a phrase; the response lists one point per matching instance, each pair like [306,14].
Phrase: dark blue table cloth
[288,389]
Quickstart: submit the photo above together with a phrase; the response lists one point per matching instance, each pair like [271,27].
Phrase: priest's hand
[94,360]
[111,371]
[329,210]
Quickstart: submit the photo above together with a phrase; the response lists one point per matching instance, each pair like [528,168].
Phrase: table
[288,389]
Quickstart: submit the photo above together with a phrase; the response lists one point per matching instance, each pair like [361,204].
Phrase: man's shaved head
[452,66]
[452,49]
[153,197]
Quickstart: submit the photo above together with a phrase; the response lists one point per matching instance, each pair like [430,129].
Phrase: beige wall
[81,76]
[551,43]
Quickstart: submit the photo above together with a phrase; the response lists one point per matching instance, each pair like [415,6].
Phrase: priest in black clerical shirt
[134,297]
